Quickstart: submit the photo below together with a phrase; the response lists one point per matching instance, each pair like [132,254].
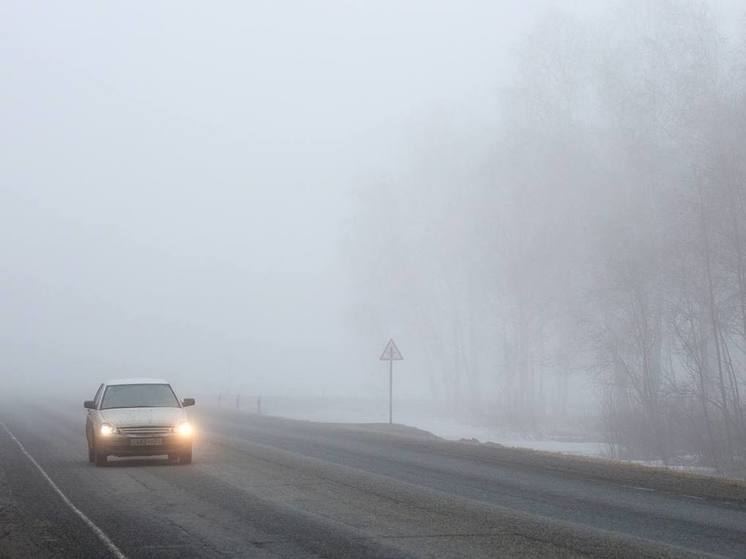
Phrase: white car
[138,417]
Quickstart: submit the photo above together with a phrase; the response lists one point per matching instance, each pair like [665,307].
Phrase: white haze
[176,177]
[180,182]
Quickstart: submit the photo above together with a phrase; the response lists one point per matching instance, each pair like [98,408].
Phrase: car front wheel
[100,458]
[186,458]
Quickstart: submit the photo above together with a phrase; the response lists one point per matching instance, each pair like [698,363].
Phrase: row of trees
[593,241]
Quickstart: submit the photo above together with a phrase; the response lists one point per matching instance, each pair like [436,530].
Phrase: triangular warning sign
[391,352]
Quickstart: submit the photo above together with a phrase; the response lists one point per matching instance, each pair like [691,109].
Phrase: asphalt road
[266,487]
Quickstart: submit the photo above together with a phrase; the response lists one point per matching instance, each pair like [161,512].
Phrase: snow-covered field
[454,430]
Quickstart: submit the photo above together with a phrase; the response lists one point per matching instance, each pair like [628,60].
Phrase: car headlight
[107,429]
[184,429]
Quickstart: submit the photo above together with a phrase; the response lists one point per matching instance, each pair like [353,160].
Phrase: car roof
[136,381]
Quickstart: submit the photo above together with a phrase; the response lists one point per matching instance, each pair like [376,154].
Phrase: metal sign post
[391,353]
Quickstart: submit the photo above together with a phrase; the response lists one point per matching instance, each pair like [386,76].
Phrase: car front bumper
[121,445]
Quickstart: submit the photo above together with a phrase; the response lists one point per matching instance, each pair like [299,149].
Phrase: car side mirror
[186,402]
[89,405]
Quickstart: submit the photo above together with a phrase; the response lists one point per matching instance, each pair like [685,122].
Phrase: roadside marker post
[391,353]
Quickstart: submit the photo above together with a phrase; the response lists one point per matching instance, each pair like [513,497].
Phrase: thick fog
[542,202]
[178,179]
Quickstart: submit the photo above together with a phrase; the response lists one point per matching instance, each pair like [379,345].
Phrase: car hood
[131,417]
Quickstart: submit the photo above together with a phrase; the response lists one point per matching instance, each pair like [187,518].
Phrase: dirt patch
[394,429]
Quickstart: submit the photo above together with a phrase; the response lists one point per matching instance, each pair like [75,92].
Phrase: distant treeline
[595,235]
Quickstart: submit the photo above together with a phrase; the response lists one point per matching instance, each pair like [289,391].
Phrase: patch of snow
[454,430]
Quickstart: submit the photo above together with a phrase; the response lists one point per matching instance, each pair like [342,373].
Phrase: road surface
[268,487]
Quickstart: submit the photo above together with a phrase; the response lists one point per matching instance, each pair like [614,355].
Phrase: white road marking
[115,551]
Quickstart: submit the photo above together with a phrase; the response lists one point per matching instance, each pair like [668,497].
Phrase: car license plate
[146,442]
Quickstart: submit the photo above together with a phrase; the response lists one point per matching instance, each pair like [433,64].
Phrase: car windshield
[139,396]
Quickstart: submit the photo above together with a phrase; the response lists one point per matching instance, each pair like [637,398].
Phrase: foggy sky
[176,179]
